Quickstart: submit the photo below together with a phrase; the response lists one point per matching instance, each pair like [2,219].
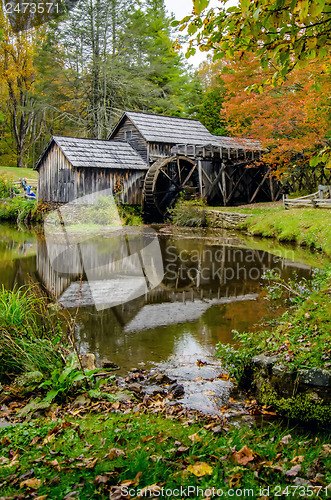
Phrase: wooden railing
[320,199]
[18,184]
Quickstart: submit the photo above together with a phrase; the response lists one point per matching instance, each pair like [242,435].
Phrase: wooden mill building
[151,159]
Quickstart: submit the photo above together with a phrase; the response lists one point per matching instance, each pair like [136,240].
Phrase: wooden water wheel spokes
[166,179]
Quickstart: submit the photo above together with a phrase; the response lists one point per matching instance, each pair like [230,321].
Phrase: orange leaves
[292,117]
[243,456]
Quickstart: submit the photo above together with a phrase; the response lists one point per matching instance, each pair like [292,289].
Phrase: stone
[279,369]
[159,378]
[88,361]
[315,377]
[265,361]
[110,365]
[176,390]
[135,388]
[81,400]
[29,378]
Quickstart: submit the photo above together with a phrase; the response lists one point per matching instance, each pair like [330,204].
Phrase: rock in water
[88,361]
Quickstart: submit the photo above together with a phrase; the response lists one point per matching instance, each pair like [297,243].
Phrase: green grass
[94,455]
[30,334]
[302,337]
[304,226]
[15,173]
[19,210]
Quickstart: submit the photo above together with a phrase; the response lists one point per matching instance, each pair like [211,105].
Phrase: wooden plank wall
[137,141]
[127,184]
[55,181]
[59,182]
[158,149]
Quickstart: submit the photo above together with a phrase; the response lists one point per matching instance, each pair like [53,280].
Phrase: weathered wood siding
[55,179]
[59,182]
[136,140]
[158,149]
[127,184]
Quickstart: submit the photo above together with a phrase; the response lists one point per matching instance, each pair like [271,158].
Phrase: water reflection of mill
[196,276]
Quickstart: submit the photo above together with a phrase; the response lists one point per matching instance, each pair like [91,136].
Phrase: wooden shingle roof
[238,143]
[167,129]
[96,153]
[174,130]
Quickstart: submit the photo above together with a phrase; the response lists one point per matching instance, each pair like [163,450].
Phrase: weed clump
[190,213]
[30,334]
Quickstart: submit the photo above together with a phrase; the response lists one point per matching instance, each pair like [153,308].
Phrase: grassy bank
[31,338]
[300,341]
[305,226]
[15,173]
[122,456]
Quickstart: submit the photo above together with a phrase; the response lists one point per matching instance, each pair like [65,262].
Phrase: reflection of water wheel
[164,181]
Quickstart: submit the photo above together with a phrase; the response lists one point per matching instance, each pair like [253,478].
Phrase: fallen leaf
[286,439]
[31,483]
[234,480]
[137,478]
[182,449]
[297,460]
[49,439]
[42,497]
[154,488]
[326,450]
[293,472]
[92,464]
[147,438]
[101,479]
[128,482]
[55,463]
[115,453]
[195,438]
[224,376]
[200,469]
[243,456]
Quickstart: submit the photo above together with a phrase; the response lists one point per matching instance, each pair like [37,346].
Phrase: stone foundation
[225,220]
[302,394]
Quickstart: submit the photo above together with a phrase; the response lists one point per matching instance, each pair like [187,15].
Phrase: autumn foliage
[292,120]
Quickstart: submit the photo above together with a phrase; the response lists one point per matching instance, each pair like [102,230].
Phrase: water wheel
[166,179]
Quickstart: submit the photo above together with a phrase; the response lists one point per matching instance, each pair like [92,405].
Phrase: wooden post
[200,177]
[285,197]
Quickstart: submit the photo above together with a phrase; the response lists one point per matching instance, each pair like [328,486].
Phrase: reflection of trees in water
[217,271]
[194,268]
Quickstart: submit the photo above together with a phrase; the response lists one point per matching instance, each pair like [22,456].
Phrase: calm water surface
[212,285]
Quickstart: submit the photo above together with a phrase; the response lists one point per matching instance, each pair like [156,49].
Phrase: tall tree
[23,109]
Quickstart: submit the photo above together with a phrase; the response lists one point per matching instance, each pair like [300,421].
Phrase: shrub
[191,213]
[19,210]
[6,187]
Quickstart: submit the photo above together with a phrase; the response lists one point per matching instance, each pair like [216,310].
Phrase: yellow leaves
[31,483]
[200,469]
[199,6]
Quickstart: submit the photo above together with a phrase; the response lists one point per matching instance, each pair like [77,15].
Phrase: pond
[211,285]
